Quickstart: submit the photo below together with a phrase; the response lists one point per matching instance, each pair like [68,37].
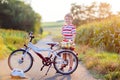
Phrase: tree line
[16,14]
[86,13]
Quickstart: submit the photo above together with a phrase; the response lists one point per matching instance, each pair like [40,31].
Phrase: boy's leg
[64,57]
[71,62]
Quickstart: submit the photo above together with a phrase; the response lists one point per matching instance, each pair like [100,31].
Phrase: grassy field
[52,24]
[52,28]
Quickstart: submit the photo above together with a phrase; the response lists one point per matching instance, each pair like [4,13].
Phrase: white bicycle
[22,58]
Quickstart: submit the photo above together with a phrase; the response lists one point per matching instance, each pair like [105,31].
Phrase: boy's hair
[69,15]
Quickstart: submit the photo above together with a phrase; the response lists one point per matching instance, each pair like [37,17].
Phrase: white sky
[53,10]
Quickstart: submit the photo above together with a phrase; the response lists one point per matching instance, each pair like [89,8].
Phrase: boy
[68,34]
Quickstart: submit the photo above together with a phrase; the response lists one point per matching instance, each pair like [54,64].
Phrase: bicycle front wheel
[66,62]
[21,60]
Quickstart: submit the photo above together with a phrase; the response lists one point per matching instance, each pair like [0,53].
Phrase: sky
[54,10]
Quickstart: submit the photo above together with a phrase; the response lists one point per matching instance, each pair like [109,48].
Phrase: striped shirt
[68,32]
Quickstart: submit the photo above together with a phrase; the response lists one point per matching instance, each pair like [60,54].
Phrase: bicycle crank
[47,62]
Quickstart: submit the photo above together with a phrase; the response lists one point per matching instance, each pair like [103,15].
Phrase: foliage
[37,25]
[103,34]
[3,1]
[17,15]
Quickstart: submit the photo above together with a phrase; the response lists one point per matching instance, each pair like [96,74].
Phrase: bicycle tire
[12,63]
[68,72]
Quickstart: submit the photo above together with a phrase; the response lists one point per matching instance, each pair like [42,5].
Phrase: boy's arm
[74,33]
[73,38]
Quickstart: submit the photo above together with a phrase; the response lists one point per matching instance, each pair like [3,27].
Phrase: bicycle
[22,58]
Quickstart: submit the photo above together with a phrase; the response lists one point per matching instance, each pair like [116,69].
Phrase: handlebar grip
[31,36]
[30,33]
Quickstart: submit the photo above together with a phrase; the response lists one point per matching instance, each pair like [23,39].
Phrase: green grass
[53,28]
[102,64]
[55,31]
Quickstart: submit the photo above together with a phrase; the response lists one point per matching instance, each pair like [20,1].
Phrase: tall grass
[103,34]
[11,40]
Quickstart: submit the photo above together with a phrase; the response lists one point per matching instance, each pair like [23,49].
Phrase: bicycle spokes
[67,64]
[18,60]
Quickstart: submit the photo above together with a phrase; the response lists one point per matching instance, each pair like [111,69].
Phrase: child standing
[68,34]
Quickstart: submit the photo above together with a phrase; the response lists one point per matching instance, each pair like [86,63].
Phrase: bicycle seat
[52,43]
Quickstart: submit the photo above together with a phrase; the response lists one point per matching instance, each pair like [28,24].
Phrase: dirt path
[35,74]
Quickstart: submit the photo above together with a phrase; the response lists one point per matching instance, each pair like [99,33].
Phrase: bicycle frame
[38,50]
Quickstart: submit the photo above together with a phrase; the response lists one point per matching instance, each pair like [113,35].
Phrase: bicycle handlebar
[31,36]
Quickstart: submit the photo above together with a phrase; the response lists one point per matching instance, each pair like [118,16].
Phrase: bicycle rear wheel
[20,61]
[71,60]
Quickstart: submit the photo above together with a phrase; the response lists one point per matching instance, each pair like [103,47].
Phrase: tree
[78,14]
[83,14]
[3,1]
[17,15]
[104,10]
[90,12]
